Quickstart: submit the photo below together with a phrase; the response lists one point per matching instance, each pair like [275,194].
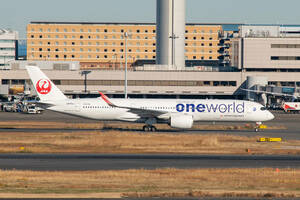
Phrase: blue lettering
[180,107]
[223,108]
[188,106]
[240,108]
[211,107]
[200,108]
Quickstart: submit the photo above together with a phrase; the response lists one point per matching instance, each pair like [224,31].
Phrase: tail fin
[44,87]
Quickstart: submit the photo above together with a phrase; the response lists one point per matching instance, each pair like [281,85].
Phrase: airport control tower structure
[170,38]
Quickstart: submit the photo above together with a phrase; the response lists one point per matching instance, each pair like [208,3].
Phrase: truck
[293,107]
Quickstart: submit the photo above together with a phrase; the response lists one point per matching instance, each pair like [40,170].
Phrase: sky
[16,14]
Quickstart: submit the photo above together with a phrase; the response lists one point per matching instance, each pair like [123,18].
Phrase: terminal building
[8,47]
[257,55]
[102,45]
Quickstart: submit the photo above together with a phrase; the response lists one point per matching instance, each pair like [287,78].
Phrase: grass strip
[169,182]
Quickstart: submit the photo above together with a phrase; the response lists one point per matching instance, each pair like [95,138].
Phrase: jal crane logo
[43,86]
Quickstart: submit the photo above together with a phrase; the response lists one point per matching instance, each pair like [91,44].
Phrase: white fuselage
[201,110]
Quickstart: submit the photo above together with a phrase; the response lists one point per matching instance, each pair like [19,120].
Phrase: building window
[57,30]
[56,56]
[97,30]
[105,56]
[32,36]
[73,43]
[138,31]
[48,49]
[194,57]
[105,30]
[73,56]
[194,38]
[40,49]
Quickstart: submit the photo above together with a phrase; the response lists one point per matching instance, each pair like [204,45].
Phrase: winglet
[106,99]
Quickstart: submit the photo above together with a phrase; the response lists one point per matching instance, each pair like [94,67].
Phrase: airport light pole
[125,87]
[173,37]
[85,73]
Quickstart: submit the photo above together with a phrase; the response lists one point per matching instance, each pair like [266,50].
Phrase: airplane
[177,113]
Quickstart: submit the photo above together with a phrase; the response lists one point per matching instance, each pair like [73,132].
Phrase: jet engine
[181,121]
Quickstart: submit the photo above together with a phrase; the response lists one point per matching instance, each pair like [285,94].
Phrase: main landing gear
[149,128]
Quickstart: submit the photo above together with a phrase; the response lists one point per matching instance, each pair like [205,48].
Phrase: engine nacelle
[182,121]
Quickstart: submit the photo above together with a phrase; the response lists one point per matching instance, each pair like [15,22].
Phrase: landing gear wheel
[153,129]
[146,128]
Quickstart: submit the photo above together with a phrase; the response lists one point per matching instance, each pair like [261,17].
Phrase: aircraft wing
[265,92]
[144,113]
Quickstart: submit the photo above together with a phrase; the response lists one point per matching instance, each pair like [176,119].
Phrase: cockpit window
[263,108]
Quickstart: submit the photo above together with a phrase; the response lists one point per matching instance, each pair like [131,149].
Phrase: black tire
[146,128]
[153,129]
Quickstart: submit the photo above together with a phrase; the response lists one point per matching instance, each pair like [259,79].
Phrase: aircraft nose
[270,116]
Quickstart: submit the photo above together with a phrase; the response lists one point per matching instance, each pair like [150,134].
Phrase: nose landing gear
[149,128]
